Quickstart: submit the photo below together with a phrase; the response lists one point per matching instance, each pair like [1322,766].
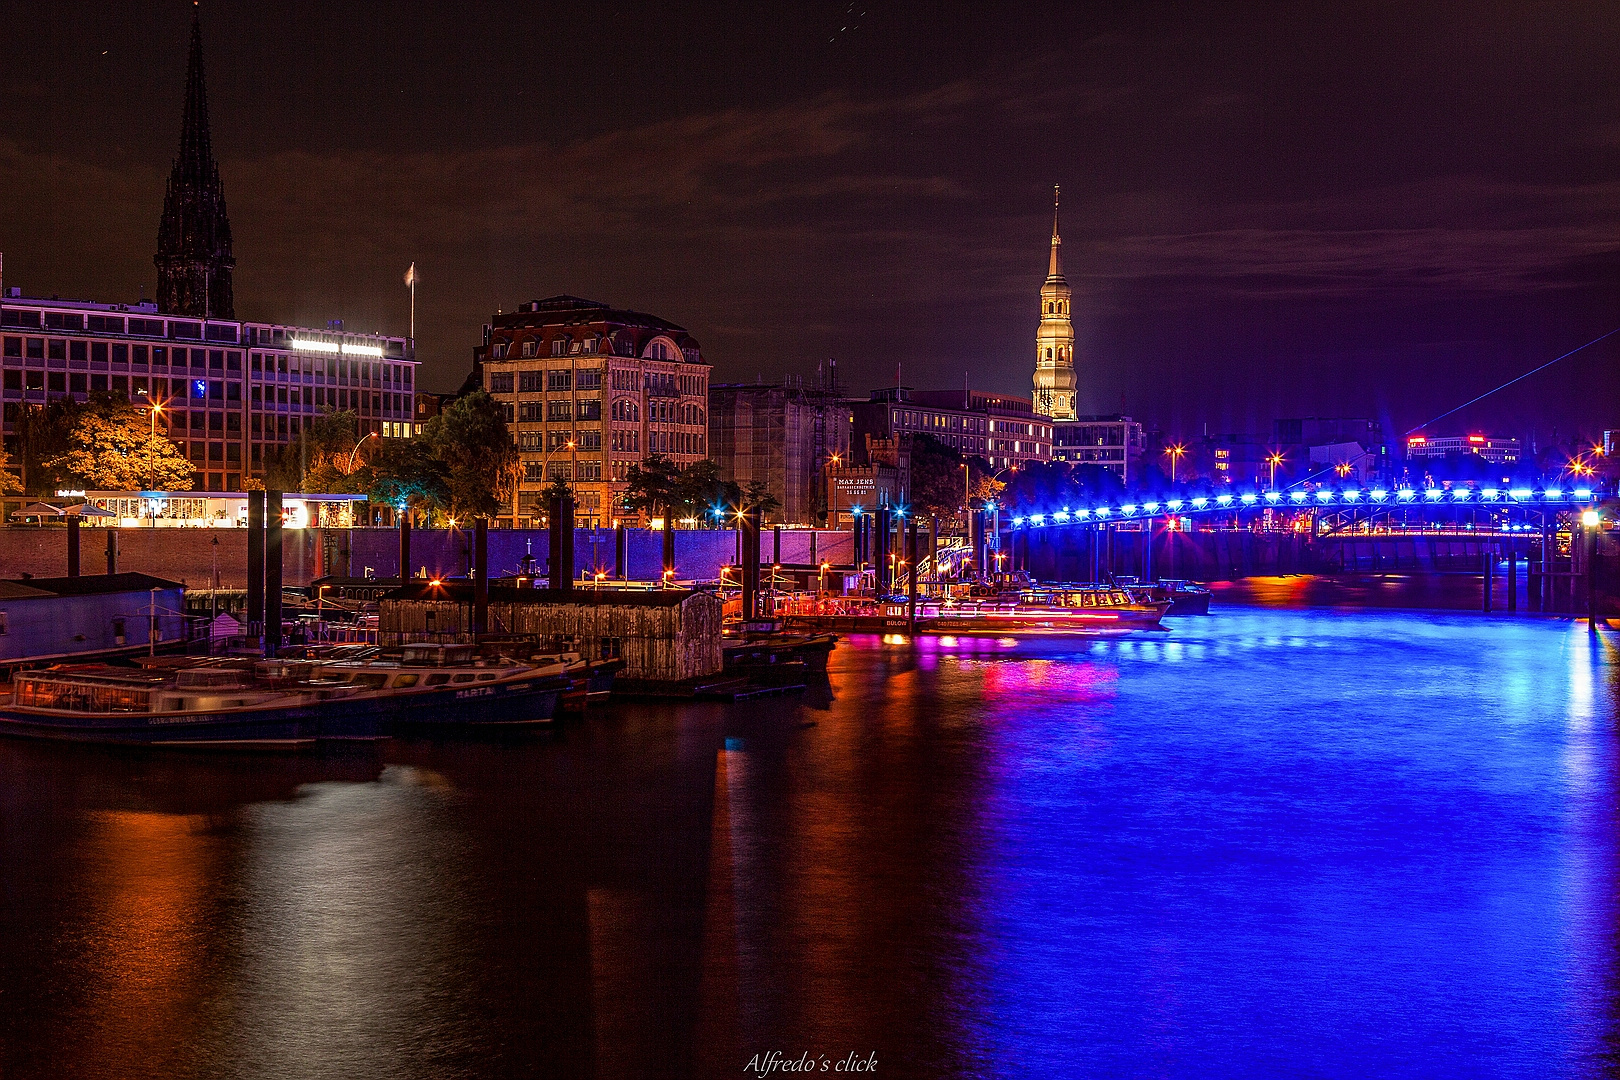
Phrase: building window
[559,380]
[559,410]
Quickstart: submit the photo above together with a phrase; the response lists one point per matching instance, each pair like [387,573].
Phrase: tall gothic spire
[194,258]
[1056,270]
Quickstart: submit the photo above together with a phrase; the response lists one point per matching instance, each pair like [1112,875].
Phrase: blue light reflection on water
[1296,843]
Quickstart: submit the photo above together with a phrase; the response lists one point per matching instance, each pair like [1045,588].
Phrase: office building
[1003,430]
[1115,443]
[589,391]
[1494,449]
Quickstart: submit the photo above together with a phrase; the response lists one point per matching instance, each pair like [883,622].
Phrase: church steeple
[194,258]
[1055,381]
[1056,271]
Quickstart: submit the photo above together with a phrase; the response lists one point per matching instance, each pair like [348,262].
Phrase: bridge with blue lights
[1357,501]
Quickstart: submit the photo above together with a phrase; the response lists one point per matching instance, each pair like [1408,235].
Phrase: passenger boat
[1186,597]
[1054,607]
[1050,608]
[452,686]
[264,704]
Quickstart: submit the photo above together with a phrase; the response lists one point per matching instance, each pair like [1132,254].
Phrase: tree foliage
[1043,487]
[937,487]
[407,475]
[471,442]
[110,446]
[651,486]
[317,462]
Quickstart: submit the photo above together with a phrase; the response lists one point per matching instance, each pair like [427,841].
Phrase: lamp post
[356,451]
[1274,459]
[1175,453]
[151,466]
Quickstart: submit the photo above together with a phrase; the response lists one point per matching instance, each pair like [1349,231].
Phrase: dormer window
[559,346]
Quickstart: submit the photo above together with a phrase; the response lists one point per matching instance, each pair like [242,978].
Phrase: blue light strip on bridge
[1301,500]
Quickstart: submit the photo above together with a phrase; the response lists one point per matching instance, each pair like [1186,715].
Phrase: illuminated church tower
[1054,341]
[194,240]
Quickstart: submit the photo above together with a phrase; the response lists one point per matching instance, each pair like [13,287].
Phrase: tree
[471,441]
[317,462]
[405,474]
[936,477]
[700,490]
[651,485]
[44,433]
[112,448]
[9,484]
[557,489]
[757,496]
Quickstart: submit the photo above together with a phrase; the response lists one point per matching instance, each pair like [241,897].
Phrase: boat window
[1088,599]
[1120,598]
[465,676]
[372,681]
[438,678]
[402,681]
[487,677]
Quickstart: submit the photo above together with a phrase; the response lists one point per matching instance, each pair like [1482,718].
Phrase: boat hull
[511,703]
[288,727]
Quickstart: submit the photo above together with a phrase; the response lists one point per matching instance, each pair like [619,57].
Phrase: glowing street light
[1274,459]
[1175,453]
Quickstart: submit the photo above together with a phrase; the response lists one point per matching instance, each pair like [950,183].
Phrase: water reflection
[1262,844]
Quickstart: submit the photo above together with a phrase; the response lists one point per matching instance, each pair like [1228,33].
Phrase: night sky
[1296,210]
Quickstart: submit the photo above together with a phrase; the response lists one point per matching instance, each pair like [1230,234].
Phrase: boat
[1055,608]
[268,704]
[452,686]
[1186,597]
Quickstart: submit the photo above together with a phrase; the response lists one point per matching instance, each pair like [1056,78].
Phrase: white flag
[410,275]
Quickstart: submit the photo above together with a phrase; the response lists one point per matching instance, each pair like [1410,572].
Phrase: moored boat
[269,705]
[451,686]
[1186,597]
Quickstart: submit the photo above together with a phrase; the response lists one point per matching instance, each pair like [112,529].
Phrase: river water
[1269,843]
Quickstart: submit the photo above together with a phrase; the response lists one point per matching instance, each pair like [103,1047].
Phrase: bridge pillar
[1488,565]
[1147,550]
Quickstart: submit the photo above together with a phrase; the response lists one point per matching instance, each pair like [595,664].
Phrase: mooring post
[112,551]
[911,588]
[1513,576]
[272,574]
[480,577]
[404,548]
[255,565]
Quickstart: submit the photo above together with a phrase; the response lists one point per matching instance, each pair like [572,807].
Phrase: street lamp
[356,451]
[1175,453]
[1274,459]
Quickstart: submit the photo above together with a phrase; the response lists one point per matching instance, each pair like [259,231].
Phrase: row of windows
[74,322]
[180,391]
[566,471]
[366,373]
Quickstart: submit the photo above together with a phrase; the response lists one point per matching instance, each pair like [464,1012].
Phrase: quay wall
[190,556]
